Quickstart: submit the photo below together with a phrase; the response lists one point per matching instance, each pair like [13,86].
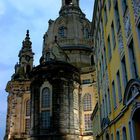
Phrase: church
[55,100]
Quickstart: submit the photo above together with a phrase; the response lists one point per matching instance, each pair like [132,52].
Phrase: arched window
[130,130]
[118,135]
[28,108]
[62,31]
[87,102]
[45,99]
[86,33]
[88,123]
[124,134]
[45,108]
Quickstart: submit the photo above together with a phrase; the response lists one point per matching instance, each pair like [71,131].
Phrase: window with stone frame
[87,122]
[27,125]
[113,35]
[62,31]
[45,108]
[132,59]
[118,135]
[114,95]
[119,86]
[86,33]
[45,119]
[124,133]
[45,98]
[87,102]
[124,71]
[109,49]
[28,108]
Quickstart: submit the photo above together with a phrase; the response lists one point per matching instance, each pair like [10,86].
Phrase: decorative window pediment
[132,91]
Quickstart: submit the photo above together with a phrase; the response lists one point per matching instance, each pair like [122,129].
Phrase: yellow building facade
[116,32]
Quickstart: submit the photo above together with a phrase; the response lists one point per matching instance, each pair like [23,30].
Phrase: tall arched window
[124,134]
[45,99]
[45,108]
[87,102]
[118,135]
[28,108]
[62,31]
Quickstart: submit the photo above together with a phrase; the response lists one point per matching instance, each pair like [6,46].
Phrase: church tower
[18,112]
[62,88]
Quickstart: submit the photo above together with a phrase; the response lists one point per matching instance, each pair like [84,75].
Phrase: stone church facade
[55,99]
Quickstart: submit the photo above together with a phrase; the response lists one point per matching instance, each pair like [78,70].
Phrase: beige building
[55,99]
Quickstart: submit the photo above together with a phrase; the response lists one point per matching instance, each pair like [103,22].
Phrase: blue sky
[16,16]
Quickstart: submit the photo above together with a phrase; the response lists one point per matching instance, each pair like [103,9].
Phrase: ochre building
[116,33]
[55,99]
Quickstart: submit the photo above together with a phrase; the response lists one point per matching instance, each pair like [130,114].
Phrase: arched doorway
[136,124]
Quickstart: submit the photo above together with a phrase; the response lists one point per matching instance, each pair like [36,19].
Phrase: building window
[87,102]
[124,134]
[124,6]
[62,31]
[45,119]
[112,137]
[109,103]
[106,105]
[132,60]
[27,125]
[28,108]
[113,35]
[119,86]
[109,49]
[86,81]
[117,18]
[88,123]
[86,33]
[105,15]
[124,72]
[130,130]
[118,135]
[45,103]
[114,94]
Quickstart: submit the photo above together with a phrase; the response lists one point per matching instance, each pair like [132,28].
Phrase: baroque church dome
[72,32]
